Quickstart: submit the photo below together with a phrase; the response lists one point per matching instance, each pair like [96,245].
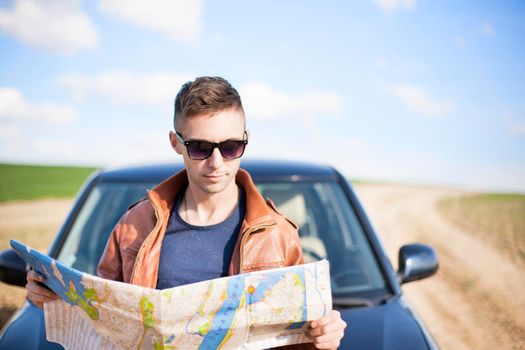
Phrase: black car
[332,225]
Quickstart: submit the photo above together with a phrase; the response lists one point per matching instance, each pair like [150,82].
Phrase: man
[207,221]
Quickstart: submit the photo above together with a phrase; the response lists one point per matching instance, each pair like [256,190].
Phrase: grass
[23,182]
[496,218]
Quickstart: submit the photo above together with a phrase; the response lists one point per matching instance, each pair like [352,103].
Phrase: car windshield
[328,228]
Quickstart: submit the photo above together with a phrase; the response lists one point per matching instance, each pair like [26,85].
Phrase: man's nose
[216,161]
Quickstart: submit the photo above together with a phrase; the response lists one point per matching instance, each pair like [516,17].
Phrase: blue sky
[424,92]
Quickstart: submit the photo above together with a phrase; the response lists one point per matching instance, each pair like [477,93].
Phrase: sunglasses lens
[232,149]
[199,150]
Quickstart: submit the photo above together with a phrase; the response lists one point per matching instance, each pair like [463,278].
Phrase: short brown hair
[205,95]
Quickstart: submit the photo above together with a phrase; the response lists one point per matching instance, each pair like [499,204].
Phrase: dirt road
[477,299]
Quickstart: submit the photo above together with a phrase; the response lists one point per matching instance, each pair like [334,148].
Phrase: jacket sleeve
[110,264]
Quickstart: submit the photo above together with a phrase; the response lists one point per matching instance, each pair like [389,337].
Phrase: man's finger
[39,299]
[34,288]
[32,275]
[326,324]
[328,328]
[332,316]
[330,337]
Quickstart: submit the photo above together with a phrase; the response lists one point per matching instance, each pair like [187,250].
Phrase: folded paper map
[256,310]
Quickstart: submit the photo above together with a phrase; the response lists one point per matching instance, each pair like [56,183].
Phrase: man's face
[214,174]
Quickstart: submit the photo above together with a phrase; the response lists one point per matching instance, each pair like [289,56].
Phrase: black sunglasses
[200,150]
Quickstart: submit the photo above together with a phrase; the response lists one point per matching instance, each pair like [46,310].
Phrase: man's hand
[36,292]
[327,331]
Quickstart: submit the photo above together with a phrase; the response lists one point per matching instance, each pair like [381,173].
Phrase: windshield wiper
[351,302]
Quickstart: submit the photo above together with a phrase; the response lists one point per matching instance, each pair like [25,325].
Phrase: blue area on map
[235,290]
[42,264]
[271,280]
[224,317]
[170,339]
[264,286]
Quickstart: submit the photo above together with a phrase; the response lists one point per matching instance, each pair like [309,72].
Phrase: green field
[497,218]
[33,182]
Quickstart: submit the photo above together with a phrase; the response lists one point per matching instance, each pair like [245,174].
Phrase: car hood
[390,326]
[26,330]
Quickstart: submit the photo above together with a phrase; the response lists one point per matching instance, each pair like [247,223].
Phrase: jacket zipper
[245,236]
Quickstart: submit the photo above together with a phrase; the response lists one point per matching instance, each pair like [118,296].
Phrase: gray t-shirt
[192,254]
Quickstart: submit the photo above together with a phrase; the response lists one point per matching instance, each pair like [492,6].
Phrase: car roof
[260,170]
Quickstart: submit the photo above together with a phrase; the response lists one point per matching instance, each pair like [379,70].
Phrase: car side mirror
[12,268]
[416,261]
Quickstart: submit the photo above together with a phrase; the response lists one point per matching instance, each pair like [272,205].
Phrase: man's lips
[214,176]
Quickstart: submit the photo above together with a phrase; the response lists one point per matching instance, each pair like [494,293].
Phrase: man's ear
[175,144]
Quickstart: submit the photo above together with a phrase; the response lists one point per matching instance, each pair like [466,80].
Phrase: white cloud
[9,132]
[392,5]
[418,100]
[179,19]
[13,106]
[259,100]
[130,147]
[55,25]
[262,102]
[61,149]
[11,137]
[125,87]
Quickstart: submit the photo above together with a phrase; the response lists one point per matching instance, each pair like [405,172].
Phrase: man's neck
[203,209]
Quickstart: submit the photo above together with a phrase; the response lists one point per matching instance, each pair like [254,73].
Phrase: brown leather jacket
[266,239]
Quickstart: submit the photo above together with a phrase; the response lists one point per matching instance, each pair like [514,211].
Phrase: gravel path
[477,299]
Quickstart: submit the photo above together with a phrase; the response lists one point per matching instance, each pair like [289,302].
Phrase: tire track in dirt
[477,299]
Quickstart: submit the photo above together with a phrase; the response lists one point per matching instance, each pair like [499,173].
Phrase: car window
[329,229]
[100,212]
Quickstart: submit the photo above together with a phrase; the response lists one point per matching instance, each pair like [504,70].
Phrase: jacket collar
[163,196]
